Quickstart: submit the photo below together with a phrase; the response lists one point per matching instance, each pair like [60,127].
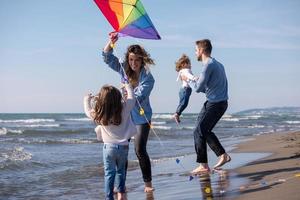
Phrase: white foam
[256,126]
[163,127]
[3,131]
[292,122]
[61,141]
[158,123]
[77,141]
[227,116]
[253,117]
[39,125]
[188,127]
[27,121]
[162,116]
[230,119]
[14,131]
[15,154]
[78,119]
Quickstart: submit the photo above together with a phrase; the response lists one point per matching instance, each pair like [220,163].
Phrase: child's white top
[189,74]
[113,134]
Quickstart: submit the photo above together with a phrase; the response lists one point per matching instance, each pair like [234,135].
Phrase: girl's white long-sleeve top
[113,134]
[187,73]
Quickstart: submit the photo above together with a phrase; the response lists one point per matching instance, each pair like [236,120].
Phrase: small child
[183,67]
[114,128]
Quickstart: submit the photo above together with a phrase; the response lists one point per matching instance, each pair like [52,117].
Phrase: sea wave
[78,119]
[16,154]
[158,123]
[45,132]
[292,122]
[162,127]
[252,117]
[27,121]
[38,125]
[250,126]
[230,119]
[54,141]
[3,131]
[227,116]
[162,116]
[256,126]
[188,128]
[73,141]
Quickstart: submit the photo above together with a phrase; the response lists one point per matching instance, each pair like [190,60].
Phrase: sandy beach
[273,177]
[263,167]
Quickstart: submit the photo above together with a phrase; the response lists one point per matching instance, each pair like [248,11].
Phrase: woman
[136,61]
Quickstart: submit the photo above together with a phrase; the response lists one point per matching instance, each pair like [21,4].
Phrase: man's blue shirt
[213,81]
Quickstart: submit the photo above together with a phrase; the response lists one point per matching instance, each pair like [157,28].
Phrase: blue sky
[50,52]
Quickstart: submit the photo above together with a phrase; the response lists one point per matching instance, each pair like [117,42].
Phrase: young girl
[135,67]
[183,67]
[114,128]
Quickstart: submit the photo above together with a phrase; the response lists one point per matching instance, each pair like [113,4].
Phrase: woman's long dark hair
[108,106]
[143,54]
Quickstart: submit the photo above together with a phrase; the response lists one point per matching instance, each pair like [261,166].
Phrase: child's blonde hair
[184,59]
[108,107]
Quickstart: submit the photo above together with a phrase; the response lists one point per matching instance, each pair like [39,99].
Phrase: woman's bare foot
[203,168]
[122,196]
[224,158]
[148,187]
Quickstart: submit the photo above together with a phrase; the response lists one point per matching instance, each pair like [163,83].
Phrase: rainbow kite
[128,17]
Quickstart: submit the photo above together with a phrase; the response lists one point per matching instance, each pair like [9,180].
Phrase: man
[213,83]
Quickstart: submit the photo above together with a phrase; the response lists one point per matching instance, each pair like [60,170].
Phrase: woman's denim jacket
[141,92]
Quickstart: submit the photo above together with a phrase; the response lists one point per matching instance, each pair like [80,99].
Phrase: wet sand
[172,180]
[273,177]
[263,167]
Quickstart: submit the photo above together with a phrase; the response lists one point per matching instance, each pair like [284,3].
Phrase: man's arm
[203,79]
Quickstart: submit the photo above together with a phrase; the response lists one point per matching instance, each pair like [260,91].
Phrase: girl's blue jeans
[114,160]
[184,96]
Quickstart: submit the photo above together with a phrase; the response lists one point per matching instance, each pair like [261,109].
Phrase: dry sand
[273,177]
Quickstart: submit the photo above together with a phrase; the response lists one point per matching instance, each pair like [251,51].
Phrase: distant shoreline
[197,112]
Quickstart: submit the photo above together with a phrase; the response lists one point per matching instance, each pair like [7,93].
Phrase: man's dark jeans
[210,114]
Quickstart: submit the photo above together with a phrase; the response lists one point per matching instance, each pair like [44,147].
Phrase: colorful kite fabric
[128,17]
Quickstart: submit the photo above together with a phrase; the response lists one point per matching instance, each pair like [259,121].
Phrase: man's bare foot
[203,168]
[176,118]
[224,158]
[148,187]
[122,196]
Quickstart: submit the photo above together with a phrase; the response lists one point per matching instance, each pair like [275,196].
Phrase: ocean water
[57,156]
